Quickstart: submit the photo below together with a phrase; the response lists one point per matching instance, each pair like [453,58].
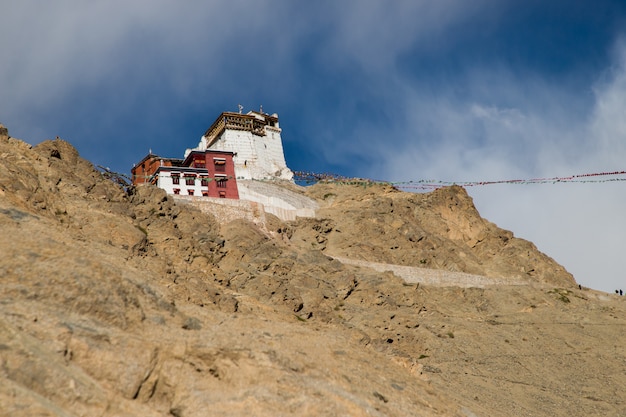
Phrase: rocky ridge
[118,302]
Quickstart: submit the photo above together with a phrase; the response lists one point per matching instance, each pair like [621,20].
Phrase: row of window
[205,193]
[220,164]
[221,182]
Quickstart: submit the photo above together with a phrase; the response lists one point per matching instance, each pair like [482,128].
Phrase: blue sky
[396,90]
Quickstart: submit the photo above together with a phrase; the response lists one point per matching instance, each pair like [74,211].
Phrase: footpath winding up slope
[434,277]
[119,302]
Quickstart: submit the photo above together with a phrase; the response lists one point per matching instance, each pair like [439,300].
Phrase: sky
[447,90]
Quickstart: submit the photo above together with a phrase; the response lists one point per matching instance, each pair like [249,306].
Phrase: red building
[221,181]
[143,171]
[202,173]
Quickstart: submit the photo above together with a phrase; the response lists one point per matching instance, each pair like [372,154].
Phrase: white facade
[254,139]
[256,199]
[179,182]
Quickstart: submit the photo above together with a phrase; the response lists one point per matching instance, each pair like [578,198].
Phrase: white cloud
[373,34]
[481,121]
[61,46]
[541,132]
[55,49]
[608,125]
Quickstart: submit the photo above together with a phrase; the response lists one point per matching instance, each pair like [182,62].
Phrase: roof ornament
[261,109]
[240,108]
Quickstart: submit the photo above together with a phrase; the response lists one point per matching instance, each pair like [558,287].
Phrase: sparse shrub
[561,294]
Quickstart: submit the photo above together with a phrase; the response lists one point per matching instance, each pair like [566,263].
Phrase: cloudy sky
[451,90]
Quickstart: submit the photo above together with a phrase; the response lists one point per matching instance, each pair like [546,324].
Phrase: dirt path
[434,277]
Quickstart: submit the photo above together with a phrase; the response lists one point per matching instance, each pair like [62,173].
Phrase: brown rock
[125,304]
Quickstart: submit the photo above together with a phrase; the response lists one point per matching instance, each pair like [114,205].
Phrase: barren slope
[440,230]
[123,304]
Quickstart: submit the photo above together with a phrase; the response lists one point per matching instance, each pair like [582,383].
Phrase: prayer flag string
[307,177]
[596,177]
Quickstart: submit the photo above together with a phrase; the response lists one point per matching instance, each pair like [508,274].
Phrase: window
[204,182]
[222,194]
[175,178]
[190,192]
[199,163]
[205,193]
[221,182]
[177,191]
[220,164]
[190,179]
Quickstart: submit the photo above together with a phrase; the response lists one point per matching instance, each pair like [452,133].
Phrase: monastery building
[254,139]
[239,157]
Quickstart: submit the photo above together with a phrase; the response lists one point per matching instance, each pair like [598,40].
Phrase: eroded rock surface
[119,302]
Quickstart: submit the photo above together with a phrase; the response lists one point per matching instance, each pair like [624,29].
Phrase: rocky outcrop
[437,230]
[121,302]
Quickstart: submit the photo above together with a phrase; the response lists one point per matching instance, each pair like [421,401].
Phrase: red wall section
[217,170]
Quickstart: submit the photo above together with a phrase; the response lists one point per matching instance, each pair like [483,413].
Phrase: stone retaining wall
[256,199]
[434,277]
[226,210]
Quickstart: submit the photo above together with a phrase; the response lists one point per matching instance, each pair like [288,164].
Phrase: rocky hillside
[119,302]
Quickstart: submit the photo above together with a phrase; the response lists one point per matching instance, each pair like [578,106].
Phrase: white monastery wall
[165,182]
[256,156]
[271,156]
[257,198]
[247,157]
[283,203]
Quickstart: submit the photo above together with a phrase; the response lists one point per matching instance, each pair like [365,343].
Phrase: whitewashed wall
[166,182]
[256,157]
